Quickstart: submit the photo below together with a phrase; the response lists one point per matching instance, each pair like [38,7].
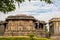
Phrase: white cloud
[48,16]
[2,16]
[40,10]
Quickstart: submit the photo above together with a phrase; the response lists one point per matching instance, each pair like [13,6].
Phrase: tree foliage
[46,30]
[8,5]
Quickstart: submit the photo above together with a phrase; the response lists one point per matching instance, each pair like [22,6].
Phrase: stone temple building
[54,24]
[22,25]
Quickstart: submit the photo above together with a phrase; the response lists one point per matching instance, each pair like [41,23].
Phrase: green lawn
[21,38]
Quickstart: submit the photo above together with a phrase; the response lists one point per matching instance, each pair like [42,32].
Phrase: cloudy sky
[40,10]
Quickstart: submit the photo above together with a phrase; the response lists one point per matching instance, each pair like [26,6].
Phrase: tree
[46,30]
[47,33]
[8,5]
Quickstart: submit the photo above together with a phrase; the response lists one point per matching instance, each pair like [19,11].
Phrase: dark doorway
[41,26]
[36,25]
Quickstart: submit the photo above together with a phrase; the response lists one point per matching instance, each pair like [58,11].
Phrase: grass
[21,38]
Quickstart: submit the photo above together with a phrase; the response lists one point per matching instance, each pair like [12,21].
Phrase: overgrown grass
[21,38]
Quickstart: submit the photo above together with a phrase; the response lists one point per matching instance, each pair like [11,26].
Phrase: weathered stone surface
[55,26]
[23,25]
[2,26]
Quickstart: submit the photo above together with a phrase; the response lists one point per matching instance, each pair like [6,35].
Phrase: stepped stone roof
[2,22]
[54,19]
[21,17]
[43,22]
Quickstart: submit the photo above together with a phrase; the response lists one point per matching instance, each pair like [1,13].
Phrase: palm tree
[8,5]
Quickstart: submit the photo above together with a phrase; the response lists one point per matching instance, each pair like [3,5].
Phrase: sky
[40,10]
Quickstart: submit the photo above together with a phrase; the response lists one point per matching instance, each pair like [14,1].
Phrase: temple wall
[24,28]
[1,29]
[55,24]
[19,26]
[56,28]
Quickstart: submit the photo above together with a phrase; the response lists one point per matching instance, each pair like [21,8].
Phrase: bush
[31,36]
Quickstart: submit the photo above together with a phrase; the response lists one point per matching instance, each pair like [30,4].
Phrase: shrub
[31,36]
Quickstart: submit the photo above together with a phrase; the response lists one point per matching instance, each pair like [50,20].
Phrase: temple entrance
[39,26]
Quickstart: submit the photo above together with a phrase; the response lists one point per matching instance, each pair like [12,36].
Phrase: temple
[54,25]
[22,25]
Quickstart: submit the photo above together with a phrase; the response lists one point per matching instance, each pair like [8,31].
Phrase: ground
[55,38]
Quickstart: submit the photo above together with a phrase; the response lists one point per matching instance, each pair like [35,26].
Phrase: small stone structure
[23,25]
[2,27]
[54,25]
